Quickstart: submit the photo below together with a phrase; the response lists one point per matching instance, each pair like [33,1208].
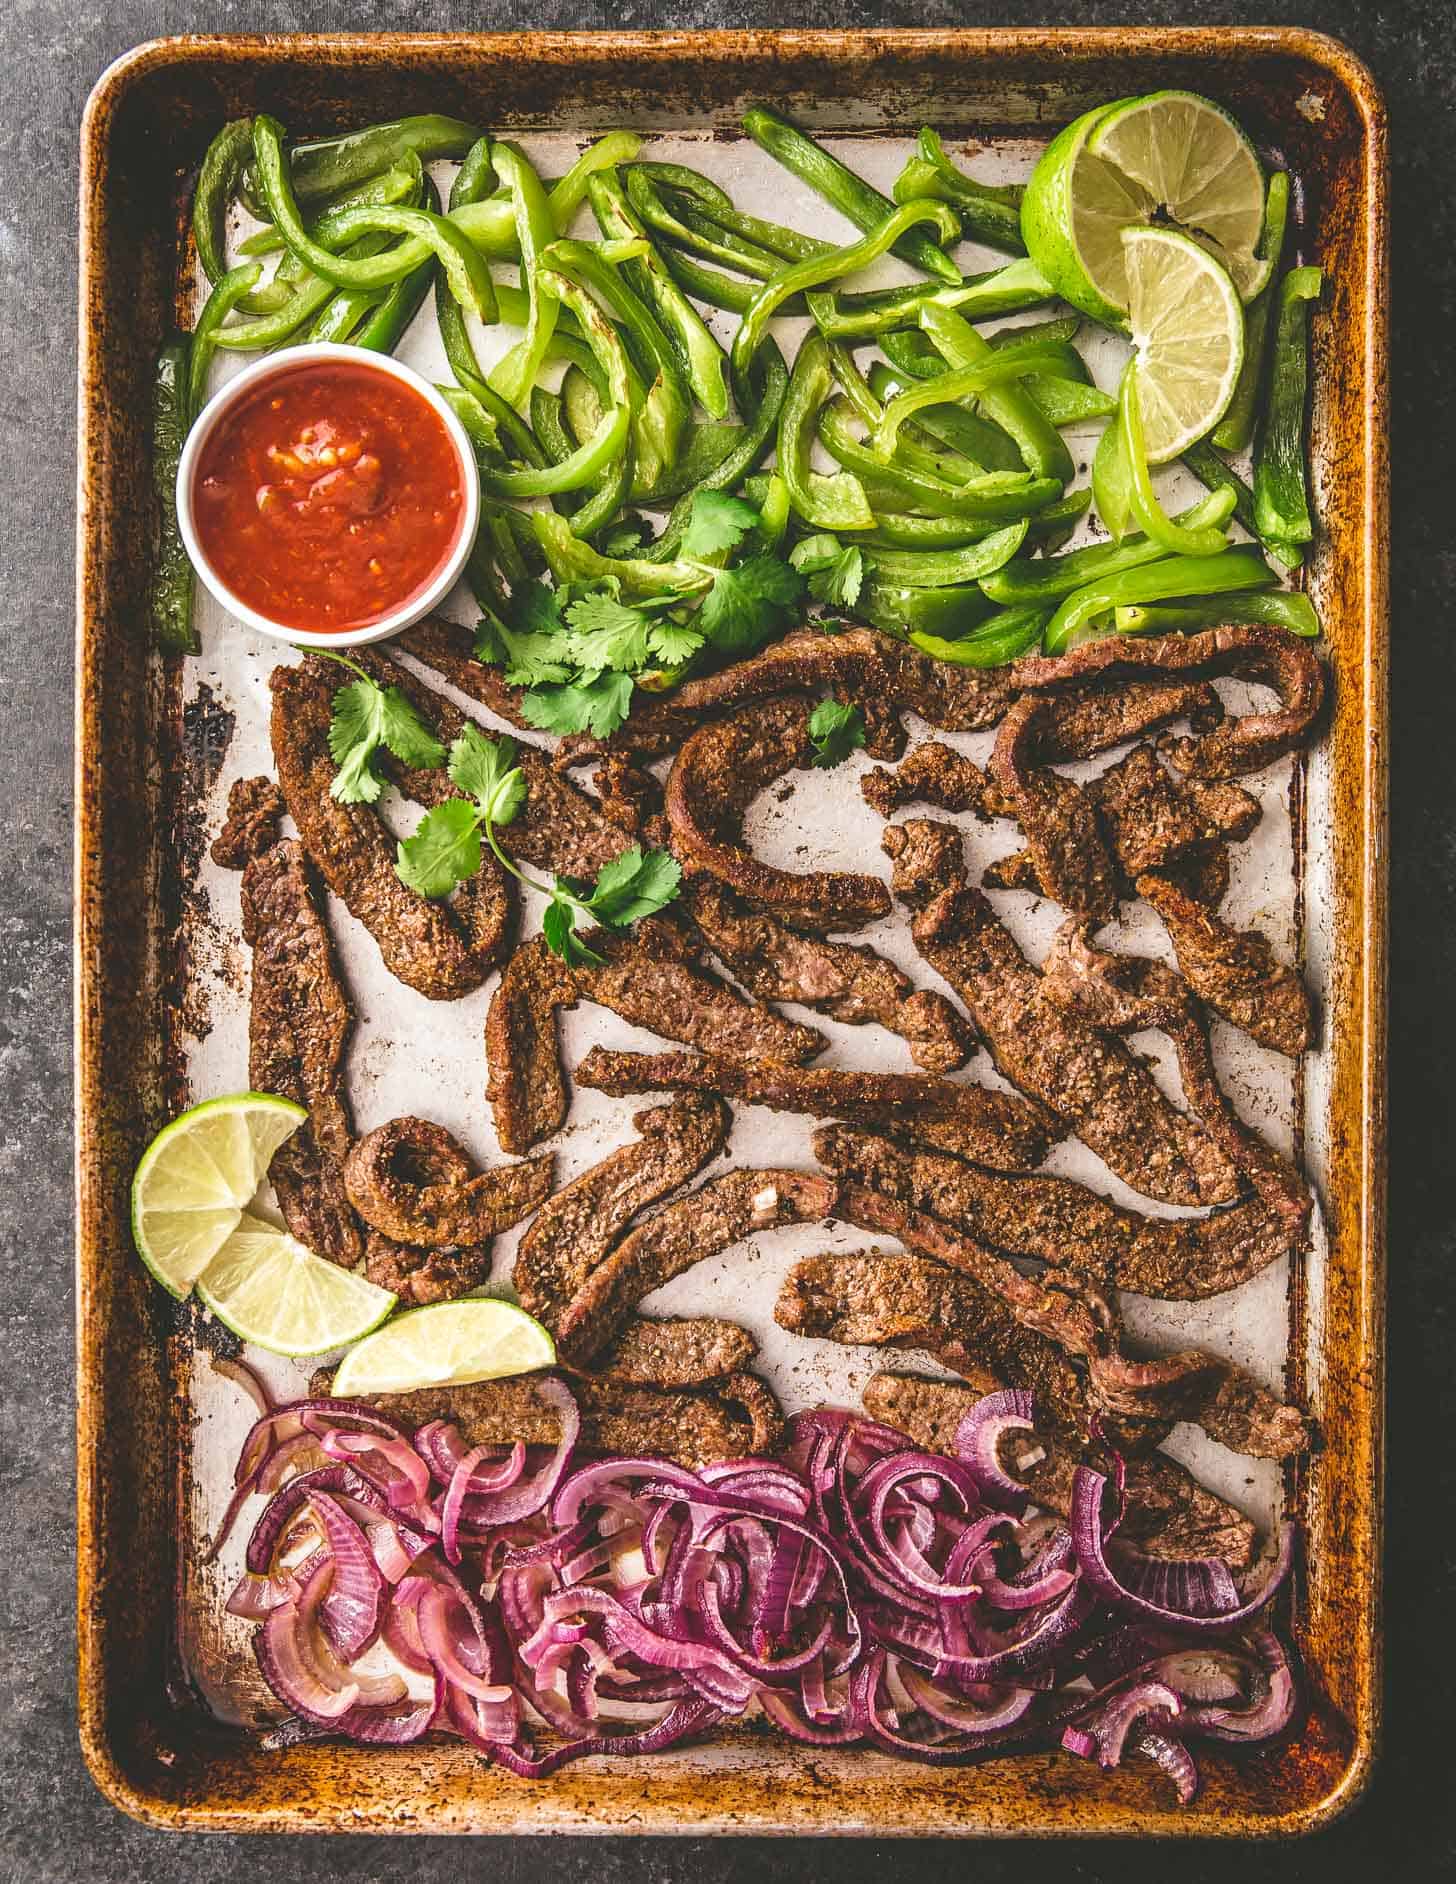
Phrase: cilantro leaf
[748,603]
[623,538]
[558,926]
[486,768]
[673,642]
[835,574]
[444,851]
[606,633]
[634,885]
[530,660]
[718,522]
[367,716]
[535,609]
[598,705]
[836,730]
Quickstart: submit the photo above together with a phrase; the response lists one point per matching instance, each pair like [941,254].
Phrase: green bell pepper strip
[386,324]
[774,510]
[1112,485]
[464,266]
[1206,465]
[711,285]
[977,439]
[205,336]
[571,560]
[836,502]
[1039,443]
[703,359]
[265,331]
[217,183]
[169,593]
[989,212]
[1062,401]
[934,569]
[556,441]
[998,497]
[515,375]
[1290,609]
[707,200]
[903,610]
[823,268]
[703,449]
[1007,290]
[897,530]
[402,183]
[331,164]
[962,382]
[855,199]
[647,200]
[1177,538]
[1172,578]
[1002,637]
[915,449]
[1046,579]
[725,245]
[342,313]
[479,422]
[1281,496]
[567,196]
[1236,429]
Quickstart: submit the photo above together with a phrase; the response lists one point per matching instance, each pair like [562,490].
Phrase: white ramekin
[277,366]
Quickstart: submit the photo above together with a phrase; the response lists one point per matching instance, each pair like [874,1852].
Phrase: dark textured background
[53,1824]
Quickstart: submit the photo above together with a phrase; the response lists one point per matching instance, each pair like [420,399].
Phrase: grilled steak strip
[1168,1514]
[1233,970]
[418,1276]
[1254,652]
[442,950]
[524,1084]
[995,1128]
[678,1353]
[411,1180]
[299,1023]
[1153,820]
[1107,1096]
[449,649]
[721,1213]
[579,1224]
[755,1399]
[1214,1394]
[255,806]
[689,1428]
[1057,1221]
[717,774]
[1079,1321]
[934,774]
[848,982]
[1063,832]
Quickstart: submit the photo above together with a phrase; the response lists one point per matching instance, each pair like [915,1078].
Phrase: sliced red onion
[1270,1713]
[1174,1758]
[1144,1703]
[965,1715]
[297,1666]
[793,1719]
[241,1375]
[350,1610]
[408,1486]
[438,1638]
[1199,1586]
[977,1443]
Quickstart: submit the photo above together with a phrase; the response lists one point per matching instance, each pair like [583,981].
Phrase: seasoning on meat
[449,648]
[685,1352]
[299,1023]
[1105,1095]
[524,1085]
[755,1399]
[418,1275]
[713,1218]
[1153,820]
[1177,1259]
[847,981]
[934,774]
[996,1128]
[412,1181]
[1063,832]
[579,1224]
[1213,1393]
[1233,970]
[255,806]
[442,950]
[1168,1514]
[717,774]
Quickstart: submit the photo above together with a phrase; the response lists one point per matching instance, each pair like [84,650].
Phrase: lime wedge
[197,1176]
[1188,338]
[448,1344]
[271,1291]
[1170,159]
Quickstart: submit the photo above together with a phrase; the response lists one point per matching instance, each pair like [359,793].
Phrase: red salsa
[329,496]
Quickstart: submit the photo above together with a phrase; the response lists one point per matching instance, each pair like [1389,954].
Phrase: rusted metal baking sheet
[169,1704]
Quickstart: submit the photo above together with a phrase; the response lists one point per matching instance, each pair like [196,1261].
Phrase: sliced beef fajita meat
[448,648]
[1168,1514]
[1233,970]
[754,1398]
[1063,832]
[579,1224]
[1214,1394]
[1255,652]
[677,1353]
[934,774]
[442,950]
[692,1429]
[717,774]
[419,1276]
[1178,1259]
[632,797]
[299,1023]
[721,1213]
[255,808]
[1094,1083]
[1153,820]
[996,1128]
[412,1181]
[525,1085]
[848,982]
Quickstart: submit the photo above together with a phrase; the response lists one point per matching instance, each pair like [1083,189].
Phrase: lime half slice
[448,1344]
[1188,338]
[271,1291]
[198,1175]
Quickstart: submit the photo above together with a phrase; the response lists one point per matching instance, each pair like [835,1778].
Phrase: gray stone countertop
[53,1823]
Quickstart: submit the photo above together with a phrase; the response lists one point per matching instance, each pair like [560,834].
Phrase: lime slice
[448,1344]
[196,1177]
[1187,334]
[1168,159]
[270,1290]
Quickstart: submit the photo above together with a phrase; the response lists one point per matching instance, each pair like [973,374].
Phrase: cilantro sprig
[367,717]
[835,573]
[835,731]
[448,848]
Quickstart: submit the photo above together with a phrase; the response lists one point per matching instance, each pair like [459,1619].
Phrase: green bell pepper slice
[963,382]
[907,611]
[217,183]
[999,639]
[205,338]
[1290,609]
[330,164]
[1046,579]
[1281,494]
[1039,443]
[515,375]
[1178,539]
[836,502]
[170,590]
[1236,429]
[1007,290]
[998,497]
[989,212]
[935,569]
[1167,580]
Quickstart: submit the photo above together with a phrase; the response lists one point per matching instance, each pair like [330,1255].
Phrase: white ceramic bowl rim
[275,366]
